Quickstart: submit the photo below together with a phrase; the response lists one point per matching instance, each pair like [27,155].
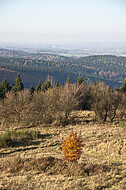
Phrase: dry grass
[40,164]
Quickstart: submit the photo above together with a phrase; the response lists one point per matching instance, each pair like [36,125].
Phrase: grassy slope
[101,166]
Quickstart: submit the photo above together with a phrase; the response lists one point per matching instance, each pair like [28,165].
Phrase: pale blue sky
[62,20]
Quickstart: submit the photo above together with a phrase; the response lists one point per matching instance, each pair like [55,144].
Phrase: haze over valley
[95,61]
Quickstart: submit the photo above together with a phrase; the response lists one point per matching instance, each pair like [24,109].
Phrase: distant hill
[107,68]
[32,55]
[111,69]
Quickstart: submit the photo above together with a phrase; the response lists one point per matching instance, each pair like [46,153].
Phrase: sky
[62,21]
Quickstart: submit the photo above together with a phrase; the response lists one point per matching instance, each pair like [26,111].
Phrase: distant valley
[34,66]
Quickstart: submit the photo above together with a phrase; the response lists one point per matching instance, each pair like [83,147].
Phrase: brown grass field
[39,164]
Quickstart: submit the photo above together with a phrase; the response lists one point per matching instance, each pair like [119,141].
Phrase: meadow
[32,157]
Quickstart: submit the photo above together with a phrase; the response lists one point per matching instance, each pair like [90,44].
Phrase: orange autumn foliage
[72,147]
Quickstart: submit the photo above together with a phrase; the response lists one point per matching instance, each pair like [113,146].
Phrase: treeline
[106,68]
[50,103]
[46,104]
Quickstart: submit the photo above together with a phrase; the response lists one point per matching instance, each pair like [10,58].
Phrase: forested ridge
[106,68]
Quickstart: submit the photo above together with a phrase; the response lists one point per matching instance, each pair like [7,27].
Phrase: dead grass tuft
[51,166]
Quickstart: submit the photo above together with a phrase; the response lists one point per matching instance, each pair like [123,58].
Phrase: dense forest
[109,69]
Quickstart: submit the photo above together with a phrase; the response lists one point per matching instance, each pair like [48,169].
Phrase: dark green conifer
[57,84]
[123,87]
[18,85]
[6,86]
[80,80]
[39,86]
[2,94]
[32,89]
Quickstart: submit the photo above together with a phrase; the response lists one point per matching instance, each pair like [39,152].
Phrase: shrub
[5,139]
[52,105]
[16,108]
[72,147]
[122,105]
[11,138]
[103,101]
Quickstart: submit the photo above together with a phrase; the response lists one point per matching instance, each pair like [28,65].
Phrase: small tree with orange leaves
[72,147]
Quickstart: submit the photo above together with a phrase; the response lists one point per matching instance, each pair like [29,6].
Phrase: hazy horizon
[58,21]
[63,38]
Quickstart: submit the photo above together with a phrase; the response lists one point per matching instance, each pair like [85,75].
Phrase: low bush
[48,106]
[10,138]
[5,139]
[103,101]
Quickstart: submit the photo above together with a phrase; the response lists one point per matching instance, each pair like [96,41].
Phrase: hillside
[34,125]
[39,164]
[106,68]
[42,55]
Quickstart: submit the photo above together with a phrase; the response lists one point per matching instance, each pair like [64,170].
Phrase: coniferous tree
[2,94]
[6,86]
[18,85]
[57,84]
[39,86]
[123,87]
[42,88]
[80,80]
[32,89]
